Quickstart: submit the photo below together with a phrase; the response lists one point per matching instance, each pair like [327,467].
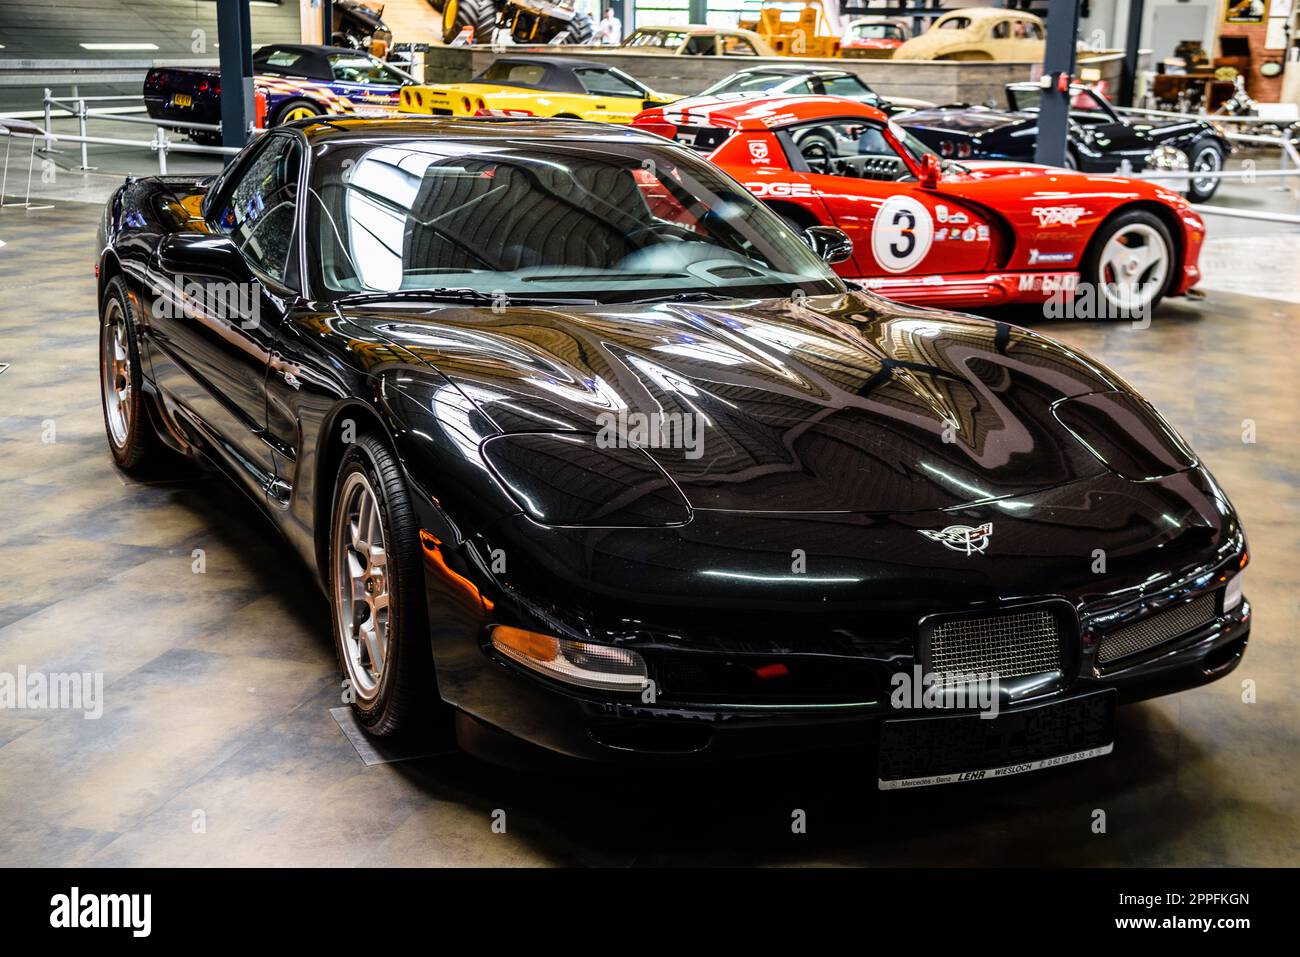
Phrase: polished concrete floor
[217,746]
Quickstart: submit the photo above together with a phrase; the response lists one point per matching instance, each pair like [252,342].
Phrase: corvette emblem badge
[961,538]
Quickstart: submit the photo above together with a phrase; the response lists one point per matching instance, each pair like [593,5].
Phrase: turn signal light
[574,662]
[1232,595]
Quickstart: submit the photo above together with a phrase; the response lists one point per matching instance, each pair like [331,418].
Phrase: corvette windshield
[563,219]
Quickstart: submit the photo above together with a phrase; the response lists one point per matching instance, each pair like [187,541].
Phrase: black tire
[405,691]
[1206,151]
[298,103]
[791,221]
[582,29]
[1091,269]
[437,5]
[479,14]
[134,444]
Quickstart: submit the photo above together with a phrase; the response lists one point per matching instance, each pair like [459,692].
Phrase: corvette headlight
[567,479]
[574,662]
[1125,434]
[1232,595]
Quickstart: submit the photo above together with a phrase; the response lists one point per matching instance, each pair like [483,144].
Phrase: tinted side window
[261,209]
[699,46]
[849,86]
[606,83]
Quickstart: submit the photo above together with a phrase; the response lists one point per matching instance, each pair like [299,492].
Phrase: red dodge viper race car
[931,231]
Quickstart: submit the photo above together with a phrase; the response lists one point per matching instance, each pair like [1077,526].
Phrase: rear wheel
[479,14]
[296,110]
[377,600]
[1206,157]
[1130,262]
[131,438]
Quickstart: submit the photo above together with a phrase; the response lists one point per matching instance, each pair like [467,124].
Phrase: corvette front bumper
[508,715]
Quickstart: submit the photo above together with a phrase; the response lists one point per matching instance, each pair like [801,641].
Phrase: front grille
[1157,629]
[1009,645]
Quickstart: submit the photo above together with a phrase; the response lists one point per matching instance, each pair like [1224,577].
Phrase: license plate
[183,100]
[945,749]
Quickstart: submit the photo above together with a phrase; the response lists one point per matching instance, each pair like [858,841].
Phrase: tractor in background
[527,21]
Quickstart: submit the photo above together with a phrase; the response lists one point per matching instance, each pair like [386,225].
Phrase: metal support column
[1128,79]
[235,36]
[327,22]
[1058,68]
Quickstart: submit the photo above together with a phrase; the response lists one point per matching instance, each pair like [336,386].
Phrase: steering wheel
[818,152]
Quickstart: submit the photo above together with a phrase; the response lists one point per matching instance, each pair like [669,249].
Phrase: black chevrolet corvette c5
[588,448]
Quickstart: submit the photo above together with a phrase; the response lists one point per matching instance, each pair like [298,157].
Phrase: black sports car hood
[962,119]
[832,404]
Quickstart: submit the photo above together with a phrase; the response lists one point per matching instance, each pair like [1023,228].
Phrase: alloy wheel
[1134,266]
[115,373]
[361,587]
[1207,161]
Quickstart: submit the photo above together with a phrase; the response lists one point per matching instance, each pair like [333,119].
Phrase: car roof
[796,71]
[694,28]
[562,62]
[334,129]
[775,112]
[306,48]
[990,13]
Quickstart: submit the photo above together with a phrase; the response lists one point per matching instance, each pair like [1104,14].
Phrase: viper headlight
[583,663]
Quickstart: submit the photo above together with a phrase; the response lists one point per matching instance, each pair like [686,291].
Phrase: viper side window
[850,148]
[260,210]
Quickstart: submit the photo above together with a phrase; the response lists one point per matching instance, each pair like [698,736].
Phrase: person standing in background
[610,31]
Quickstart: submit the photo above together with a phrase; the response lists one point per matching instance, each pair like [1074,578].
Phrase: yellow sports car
[539,86]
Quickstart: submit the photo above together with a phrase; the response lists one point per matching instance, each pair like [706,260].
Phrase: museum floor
[217,745]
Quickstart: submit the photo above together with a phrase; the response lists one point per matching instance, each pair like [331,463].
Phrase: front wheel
[131,438]
[1205,158]
[1129,264]
[377,597]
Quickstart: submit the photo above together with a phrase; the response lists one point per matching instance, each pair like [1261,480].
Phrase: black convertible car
[586,447]
[1099,139]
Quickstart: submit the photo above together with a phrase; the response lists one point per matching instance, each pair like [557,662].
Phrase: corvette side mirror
[931,170]
[830,244]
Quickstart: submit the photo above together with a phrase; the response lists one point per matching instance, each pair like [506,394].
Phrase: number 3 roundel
[901,234]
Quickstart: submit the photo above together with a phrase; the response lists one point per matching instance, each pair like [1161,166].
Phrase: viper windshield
[599,220]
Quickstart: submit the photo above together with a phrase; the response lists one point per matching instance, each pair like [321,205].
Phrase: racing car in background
[298,80]
[538,86]
[931,231]
[1099,139]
